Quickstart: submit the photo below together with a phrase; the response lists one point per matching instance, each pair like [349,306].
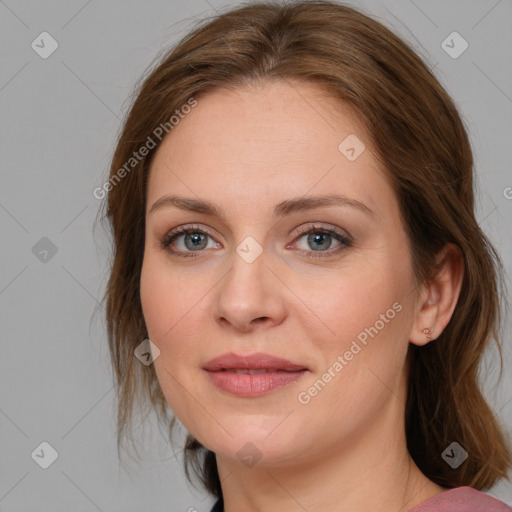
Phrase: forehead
[264,142]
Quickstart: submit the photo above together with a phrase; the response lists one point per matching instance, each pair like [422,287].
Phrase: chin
[261,453]
[253,439]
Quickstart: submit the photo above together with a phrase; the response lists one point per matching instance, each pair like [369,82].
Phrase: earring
[428,333]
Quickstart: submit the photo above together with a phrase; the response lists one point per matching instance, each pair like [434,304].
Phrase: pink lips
[252,375]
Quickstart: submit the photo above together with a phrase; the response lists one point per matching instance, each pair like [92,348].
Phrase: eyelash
[344,240]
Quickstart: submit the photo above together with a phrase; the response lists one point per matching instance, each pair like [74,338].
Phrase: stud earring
[428,333]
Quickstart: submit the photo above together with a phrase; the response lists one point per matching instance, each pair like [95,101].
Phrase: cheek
[367,314]
[170,300]
[156,303]
[171,303]
[349,303]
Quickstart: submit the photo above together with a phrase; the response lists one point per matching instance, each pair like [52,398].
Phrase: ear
[438,298]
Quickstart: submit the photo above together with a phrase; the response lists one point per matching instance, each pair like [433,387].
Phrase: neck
[371,471]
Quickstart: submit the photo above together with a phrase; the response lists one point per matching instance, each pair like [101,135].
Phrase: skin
[246,150]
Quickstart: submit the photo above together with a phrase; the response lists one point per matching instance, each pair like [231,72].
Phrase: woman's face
[259,272]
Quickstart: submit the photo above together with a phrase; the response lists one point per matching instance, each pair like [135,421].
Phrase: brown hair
[421,141]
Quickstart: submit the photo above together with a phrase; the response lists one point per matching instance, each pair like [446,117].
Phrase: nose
[250,295]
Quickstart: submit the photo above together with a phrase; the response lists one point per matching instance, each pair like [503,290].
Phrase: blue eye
[193,240]
[190,239]
[320,241]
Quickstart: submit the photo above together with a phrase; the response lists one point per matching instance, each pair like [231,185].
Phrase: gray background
[59,121]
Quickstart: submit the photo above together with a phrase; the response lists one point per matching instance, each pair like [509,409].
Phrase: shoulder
[462,499]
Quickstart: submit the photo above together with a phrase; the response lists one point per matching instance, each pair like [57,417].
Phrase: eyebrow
[280,210]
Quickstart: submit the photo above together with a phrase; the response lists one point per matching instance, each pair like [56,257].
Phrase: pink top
[462,499]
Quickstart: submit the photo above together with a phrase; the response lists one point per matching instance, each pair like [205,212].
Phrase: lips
[252,375]
[258,361]
[251,372]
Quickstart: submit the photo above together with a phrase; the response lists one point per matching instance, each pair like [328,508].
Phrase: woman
[291,203]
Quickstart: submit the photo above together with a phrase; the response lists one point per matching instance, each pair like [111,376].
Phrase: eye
[320,240]
[188,239]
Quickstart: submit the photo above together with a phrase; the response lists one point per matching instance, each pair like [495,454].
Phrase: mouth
[259,371]
[258,361]
[254,375]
